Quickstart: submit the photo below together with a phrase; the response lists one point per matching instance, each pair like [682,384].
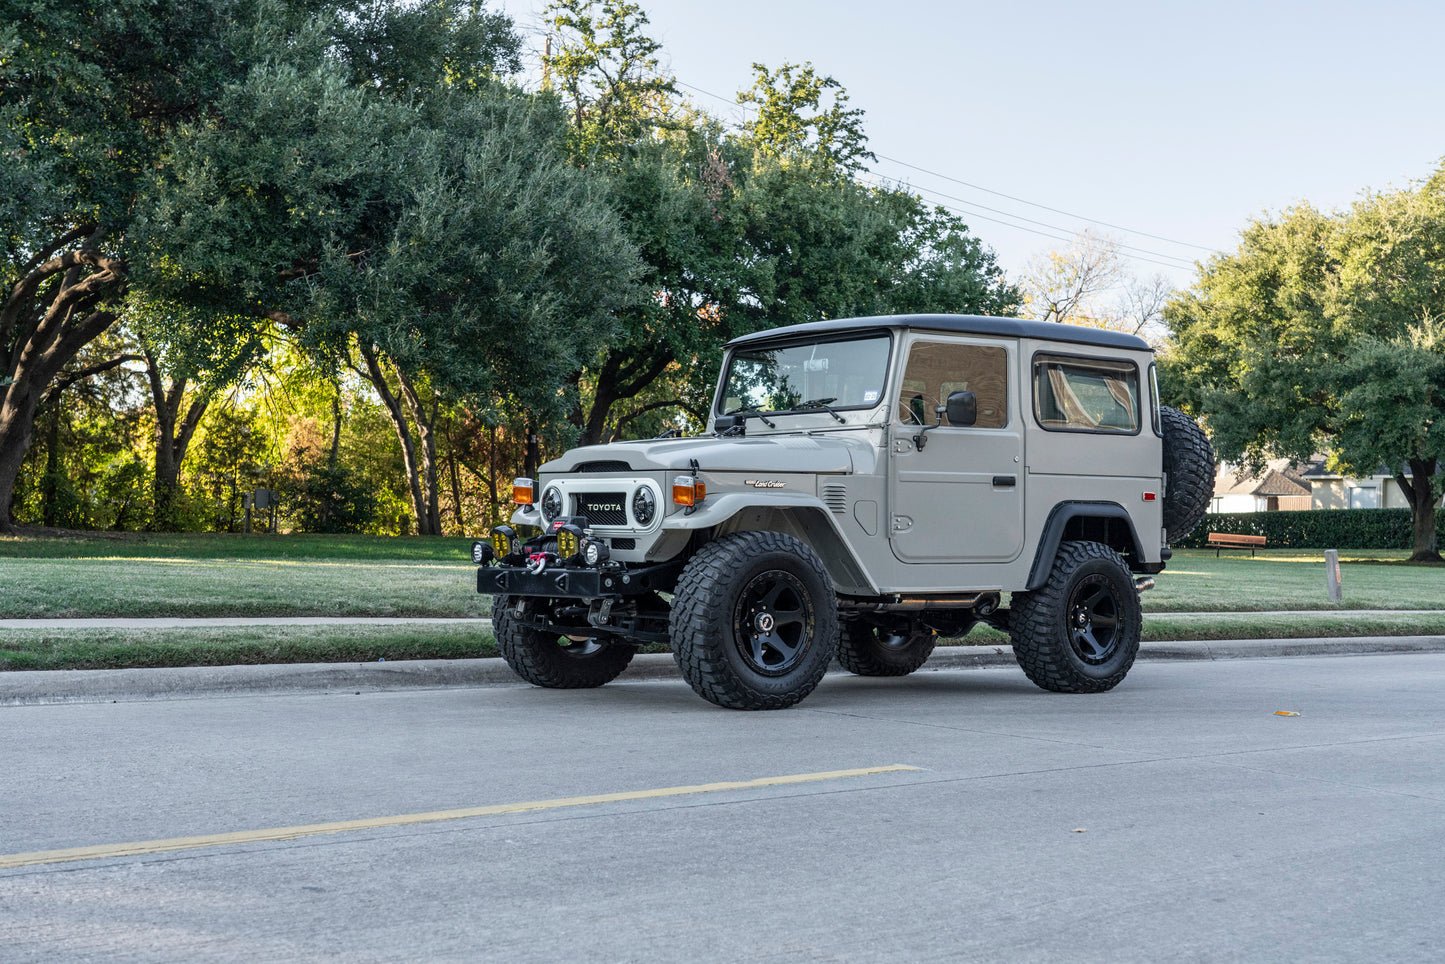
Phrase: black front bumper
[575,583]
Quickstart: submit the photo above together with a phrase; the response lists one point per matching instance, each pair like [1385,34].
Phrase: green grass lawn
[138,575]
[1196,581]
[31,649]
[210,575]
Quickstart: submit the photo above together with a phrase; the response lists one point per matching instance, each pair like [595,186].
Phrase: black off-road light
[594,552]
[482,552]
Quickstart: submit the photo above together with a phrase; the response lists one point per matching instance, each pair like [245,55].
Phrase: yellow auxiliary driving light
[503,538]
[569,541]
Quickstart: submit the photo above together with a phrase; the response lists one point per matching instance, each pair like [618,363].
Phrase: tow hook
[1143,583]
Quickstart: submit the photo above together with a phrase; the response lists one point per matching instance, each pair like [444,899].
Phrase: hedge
[1316,528]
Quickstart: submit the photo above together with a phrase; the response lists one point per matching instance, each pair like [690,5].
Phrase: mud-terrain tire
[754,621]
[866,649]
[554,661]
[1079,632]
[1189,471]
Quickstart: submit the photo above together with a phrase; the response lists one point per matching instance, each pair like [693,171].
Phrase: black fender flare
[1058,522]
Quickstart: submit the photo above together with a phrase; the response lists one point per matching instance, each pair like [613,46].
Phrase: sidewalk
[181,622]
[204,682]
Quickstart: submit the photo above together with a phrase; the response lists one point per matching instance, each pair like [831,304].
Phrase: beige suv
[868,485]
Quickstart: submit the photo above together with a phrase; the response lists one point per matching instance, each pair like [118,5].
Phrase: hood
[827,454]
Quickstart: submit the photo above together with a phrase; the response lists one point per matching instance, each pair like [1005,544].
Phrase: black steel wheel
[873,649]
[1079,632]
[754,623]
[555,661]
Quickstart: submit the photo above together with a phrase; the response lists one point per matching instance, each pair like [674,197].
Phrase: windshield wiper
[820,403]
[752,411]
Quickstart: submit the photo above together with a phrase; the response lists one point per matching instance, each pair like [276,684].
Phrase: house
[1331,490]
[1280,488]
[1285,486]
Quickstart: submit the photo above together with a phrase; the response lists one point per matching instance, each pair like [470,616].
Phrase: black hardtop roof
[963,324]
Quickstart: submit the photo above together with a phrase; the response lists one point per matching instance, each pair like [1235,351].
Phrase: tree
[791,118]
[91,99]
[437,230]
[736,232]
[1090,284]
[87,95]
[1323,332]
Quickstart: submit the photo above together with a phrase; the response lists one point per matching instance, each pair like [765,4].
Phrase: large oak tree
[1325,332]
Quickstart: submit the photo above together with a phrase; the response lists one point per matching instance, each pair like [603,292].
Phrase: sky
[1167,126]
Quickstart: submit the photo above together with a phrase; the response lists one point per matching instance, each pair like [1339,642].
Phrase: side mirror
[962,408]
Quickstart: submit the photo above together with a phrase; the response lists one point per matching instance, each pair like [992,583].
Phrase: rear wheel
[869,649]
[1079,633]
[549,659]
[754,621]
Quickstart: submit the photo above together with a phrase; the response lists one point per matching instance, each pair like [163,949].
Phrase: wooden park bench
[1229,540]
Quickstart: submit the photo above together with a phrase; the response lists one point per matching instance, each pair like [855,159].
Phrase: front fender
[803,516]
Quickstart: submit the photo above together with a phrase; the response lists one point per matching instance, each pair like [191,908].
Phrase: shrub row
[1315,528]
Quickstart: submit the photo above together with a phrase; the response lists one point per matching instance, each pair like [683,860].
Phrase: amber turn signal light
[524,491]
[688,491]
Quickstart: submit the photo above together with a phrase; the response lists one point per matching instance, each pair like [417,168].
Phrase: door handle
[1005,481]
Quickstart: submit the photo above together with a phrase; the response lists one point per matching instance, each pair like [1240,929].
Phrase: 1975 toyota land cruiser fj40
[869,485]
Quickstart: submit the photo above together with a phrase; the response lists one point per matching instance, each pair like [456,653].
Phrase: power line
[1132,252]
[1182,262]
[1045,207]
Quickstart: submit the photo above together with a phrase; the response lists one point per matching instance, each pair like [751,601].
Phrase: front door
[958,498]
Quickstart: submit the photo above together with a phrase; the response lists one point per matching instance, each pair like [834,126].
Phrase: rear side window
[1086,394]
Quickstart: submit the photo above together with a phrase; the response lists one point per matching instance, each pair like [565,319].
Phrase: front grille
[612,466]
[601,508]
[624,543]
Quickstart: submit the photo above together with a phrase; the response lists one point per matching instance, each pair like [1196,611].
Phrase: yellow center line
[8,861]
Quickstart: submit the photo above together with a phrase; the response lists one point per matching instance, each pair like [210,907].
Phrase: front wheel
[1079,632]
[868,649]
[754,621]
[554,661]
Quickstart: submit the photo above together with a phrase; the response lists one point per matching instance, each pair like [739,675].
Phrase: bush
[330,498]
[1315,528]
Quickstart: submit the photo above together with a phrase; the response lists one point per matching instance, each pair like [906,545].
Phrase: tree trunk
[49,507]
[172,438]
[623,374]
[428,449]
[419,500]
[335,449]
[1420,493]
[52,311]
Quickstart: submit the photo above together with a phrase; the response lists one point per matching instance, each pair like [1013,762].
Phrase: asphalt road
[1177,818]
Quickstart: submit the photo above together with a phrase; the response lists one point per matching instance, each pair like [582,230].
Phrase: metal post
[1332,574]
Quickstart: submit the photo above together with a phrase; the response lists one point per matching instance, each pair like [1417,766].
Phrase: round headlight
[644,505]
[551,503]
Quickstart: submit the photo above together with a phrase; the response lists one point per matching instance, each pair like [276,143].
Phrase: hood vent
[835,497]
[602,467]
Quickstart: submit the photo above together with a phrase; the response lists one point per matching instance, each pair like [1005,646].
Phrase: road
[1177,818]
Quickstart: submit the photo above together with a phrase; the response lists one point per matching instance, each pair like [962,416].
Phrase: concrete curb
[196,682]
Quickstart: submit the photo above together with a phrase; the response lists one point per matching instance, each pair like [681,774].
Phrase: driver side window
[936,369]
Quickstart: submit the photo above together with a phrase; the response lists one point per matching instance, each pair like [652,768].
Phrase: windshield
[784,378]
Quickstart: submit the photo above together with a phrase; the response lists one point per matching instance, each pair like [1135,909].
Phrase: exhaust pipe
[1143,583]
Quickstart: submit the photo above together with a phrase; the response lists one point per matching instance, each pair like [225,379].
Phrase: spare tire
[1188,472]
